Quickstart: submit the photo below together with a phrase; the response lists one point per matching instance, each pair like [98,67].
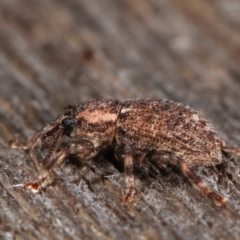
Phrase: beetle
[169,132]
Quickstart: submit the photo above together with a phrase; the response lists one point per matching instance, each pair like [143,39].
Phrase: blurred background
[54,53]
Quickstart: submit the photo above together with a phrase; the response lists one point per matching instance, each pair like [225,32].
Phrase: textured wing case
[168,126]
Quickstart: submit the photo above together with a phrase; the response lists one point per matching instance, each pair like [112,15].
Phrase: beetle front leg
[83,149]
[30,144]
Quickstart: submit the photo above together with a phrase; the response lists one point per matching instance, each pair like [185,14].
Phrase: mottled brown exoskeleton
[167,131]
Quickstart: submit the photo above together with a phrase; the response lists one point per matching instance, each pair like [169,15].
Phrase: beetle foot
[128,198]
[219,200]
[35,186]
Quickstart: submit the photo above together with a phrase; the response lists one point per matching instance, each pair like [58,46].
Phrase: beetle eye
[67,124]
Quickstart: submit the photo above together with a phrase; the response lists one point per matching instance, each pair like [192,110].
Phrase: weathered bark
[54,53]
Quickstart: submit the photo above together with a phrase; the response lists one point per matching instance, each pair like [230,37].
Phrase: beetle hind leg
[231,150]
[202,185]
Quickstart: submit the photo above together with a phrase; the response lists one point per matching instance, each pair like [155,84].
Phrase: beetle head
[53,132]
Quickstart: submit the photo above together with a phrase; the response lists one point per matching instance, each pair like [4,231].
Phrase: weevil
[168,132]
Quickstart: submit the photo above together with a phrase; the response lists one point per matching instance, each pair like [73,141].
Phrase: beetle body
[167,132]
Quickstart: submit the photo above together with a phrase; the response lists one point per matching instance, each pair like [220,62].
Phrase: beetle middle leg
[202,185]
[129,179]
[83,149]
[126,154]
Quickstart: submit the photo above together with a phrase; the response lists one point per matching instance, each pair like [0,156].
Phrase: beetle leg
[202,185]
[30,144]
[129,179]
[83,149]
[231,150]
[125,153]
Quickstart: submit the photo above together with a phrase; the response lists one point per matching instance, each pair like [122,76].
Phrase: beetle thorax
[96,122]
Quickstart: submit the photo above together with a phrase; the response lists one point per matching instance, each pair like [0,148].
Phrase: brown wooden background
[55,52]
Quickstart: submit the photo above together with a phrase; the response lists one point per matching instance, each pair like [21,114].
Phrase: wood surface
[54,53]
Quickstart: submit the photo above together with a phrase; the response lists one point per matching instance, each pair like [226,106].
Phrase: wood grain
[55,53]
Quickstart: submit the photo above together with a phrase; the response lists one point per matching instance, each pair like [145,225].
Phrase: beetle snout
[51,136]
